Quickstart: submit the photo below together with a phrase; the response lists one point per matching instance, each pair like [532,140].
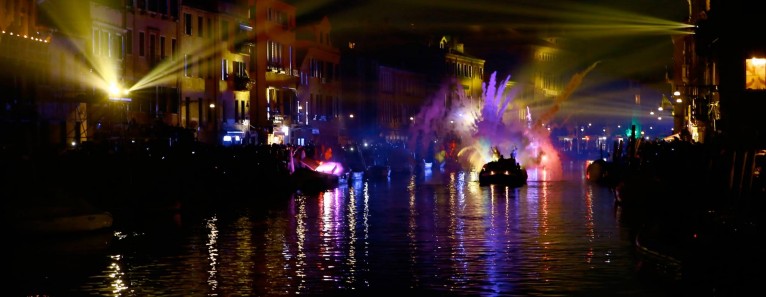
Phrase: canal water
[436,234]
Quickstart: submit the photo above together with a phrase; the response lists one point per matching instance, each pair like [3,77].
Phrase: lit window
[755,74]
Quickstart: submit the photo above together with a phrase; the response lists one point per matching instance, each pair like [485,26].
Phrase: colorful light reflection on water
[407,235]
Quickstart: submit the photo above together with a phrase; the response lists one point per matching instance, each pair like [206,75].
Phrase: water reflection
[441,235]
[115,273]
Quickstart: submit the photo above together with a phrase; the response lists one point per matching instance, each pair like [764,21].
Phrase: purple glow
[483,124]
[330,167]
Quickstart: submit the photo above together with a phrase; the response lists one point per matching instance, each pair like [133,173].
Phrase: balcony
[241,82]
[243,48]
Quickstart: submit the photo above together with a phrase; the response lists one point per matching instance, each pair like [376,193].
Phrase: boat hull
[310,181]
[503,172]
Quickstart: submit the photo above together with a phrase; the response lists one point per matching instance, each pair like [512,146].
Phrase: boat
[312,176]
[502,171]
[310,181]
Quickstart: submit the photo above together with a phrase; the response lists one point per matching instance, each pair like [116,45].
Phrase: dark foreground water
[437,235]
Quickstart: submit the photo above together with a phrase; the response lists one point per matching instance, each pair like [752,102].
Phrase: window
[187,24]
[129,43]
[162,47]
[163,9]
[104,43]
[173,49]
[141,43]
[240,69]
[174,9]
[152,47]
[274,55]
[116,50]
[755,74]
[277,16]
[242,110]
[224,69]
[152,6]
[236,111]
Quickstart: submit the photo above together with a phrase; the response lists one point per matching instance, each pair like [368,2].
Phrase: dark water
[434,235]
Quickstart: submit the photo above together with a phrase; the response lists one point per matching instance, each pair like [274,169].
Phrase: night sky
[593,28]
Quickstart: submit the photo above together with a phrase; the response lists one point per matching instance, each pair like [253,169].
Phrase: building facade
[273,98]
[319,117]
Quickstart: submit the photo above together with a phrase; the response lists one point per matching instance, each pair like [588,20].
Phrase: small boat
[503,172]
[310,181]
[311,176]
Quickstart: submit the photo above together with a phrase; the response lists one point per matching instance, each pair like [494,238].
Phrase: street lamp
[214,118]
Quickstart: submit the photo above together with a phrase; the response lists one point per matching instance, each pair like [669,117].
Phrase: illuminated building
[318,114]
[216,79]
[273,68]
[24,46]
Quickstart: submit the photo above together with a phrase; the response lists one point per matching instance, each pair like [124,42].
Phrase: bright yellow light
[114,89]
[758,61]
